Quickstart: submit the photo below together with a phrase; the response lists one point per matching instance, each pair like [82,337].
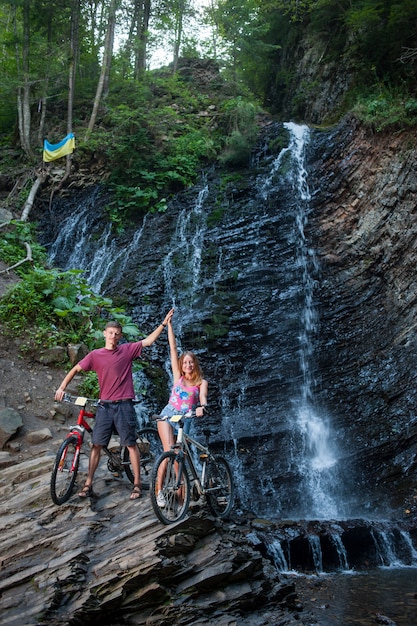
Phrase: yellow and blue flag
[52,151]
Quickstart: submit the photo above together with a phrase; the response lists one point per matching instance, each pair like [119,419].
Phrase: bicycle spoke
[219,486]
[150,447]
[64,471]
[171,502]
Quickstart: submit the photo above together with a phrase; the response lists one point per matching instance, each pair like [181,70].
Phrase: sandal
[136,492]
[86,491]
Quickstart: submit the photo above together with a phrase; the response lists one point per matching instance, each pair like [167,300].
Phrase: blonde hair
[197,378]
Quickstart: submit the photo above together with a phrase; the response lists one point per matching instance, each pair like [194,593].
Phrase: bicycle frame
[182,447]
[79,429]
[65,468]
[176,477]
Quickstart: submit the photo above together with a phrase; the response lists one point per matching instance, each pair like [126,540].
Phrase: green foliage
[12,245]
[50,307]
[388,109]
[369,43]
[215,217]
[154,143]
[88,386]
[237,150]
[240,121]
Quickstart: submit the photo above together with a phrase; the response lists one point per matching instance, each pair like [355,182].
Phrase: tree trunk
[42,104]
[23,93]
[31,197]
[108,50]
[142,39]
[178,33]
[74,45]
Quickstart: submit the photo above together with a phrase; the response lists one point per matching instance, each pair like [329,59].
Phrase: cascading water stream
[74,247]
[318,458]
[185,251]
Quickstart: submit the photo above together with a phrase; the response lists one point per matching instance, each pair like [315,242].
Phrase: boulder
[38,436]
[10,422]
[56,354]
[76,352]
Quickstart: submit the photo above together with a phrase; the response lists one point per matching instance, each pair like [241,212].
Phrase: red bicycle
[67,460]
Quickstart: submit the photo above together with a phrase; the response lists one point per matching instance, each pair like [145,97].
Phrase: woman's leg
[166,435]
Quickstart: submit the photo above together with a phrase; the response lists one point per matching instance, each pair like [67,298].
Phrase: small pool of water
[358,598]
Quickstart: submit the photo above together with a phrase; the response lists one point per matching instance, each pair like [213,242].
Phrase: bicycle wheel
[150,447]
[64,471]
[219,487]
[171,503]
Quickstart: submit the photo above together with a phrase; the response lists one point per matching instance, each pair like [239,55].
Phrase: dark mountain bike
[176,479]
[67,460]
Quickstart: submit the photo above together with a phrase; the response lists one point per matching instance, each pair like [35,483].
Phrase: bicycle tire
[150,447]
[64,471]
[176,500]
[219,487]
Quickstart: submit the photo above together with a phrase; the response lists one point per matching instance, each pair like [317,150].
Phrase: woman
[189,391]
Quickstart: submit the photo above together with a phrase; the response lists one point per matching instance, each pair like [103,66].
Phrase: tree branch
[31,197]
[28,258]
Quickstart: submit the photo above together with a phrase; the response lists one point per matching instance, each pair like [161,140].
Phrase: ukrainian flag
[52,151]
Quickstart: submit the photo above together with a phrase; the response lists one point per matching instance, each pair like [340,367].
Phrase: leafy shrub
[89,385]
[240,120]
[12,245]
[49,307]
[387,109]
[237,150]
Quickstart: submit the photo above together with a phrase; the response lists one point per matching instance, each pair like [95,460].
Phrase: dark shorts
[120,416]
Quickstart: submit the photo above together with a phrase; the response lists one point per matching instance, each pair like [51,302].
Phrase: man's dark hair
[113,324]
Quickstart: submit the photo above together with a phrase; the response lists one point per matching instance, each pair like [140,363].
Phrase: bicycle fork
[77,432]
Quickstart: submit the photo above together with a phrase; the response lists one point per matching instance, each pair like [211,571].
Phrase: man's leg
[135,462]
[126,425]
[92,466]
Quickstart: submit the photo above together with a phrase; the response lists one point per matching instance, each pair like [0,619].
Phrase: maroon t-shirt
[114,370]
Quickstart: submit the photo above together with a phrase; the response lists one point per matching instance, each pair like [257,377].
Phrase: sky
[163,55]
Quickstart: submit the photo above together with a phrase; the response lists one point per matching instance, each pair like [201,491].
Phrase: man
[113,365]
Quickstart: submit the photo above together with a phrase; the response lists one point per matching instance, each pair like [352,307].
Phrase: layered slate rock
[109,560]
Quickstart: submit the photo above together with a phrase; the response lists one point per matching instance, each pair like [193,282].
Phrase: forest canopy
[90,67]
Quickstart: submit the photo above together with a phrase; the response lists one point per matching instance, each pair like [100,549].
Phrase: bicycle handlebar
[82,400]
[79,400]
[174,418]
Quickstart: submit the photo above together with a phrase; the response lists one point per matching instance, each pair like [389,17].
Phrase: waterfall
[234,260]
[341,551]
[316,554]
[318,456]
[99,258]
[185,250]
[277,553]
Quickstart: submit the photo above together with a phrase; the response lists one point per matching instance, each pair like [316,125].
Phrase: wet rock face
[240,307]
[364,226]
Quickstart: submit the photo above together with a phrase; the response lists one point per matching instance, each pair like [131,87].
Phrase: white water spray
[318,457]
